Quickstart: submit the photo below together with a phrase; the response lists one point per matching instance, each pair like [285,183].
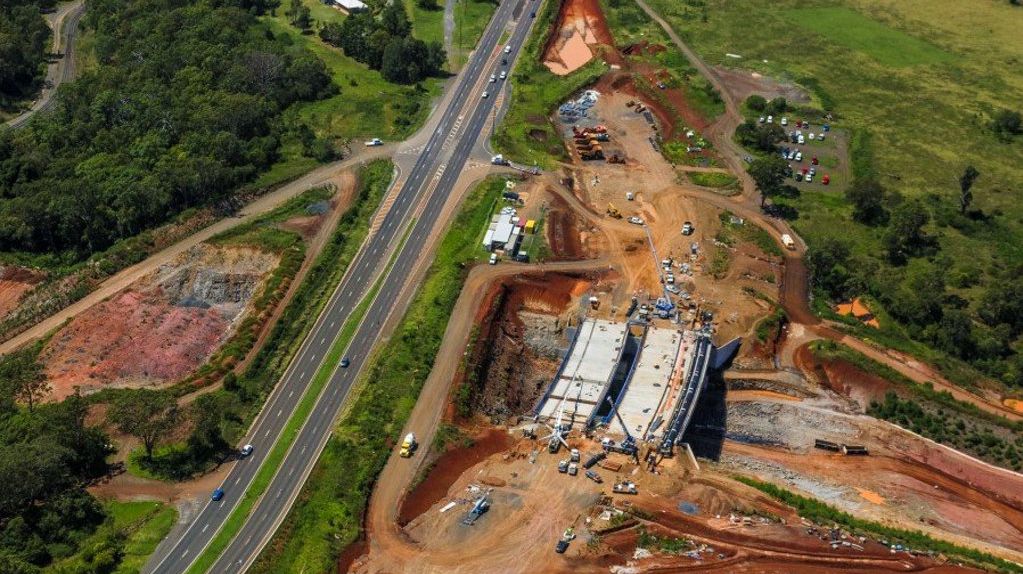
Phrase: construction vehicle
[827,445]
[627,446]
[596,154]
[556,438]
[594,477]
[408,446]
[593,460]
[573,469]
[625,487]
[615,158]
[481,506]
[612,211]
[574,455]
[563,466]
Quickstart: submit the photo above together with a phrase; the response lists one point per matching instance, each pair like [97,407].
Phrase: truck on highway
[408,446]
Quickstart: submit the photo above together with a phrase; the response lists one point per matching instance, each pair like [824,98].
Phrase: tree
[23,379]
[828,261]
[970,175]
[207,438]
[867,197]
[145,414]
[905,236]
[776,106]
[1007,123]
[756,103]
[769,174]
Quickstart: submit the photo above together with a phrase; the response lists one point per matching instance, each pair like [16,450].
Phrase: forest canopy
[183,107]
[24,38]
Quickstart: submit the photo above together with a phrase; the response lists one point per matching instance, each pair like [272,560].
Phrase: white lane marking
[237,480]
[332,324]
[291,394]
[185,553]
[323,339]
[302,376]
[303,449]
[279,411]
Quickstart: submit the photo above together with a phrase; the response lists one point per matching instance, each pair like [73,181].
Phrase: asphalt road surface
[65,32]
[432,167]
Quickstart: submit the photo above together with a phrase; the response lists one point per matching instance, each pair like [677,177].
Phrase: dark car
[345,362]
[217,494]
[532,14]
[561,546]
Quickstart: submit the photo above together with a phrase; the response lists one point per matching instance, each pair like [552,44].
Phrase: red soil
[132,337]
[446,470]
[14,282]
[579,30]
[563,232]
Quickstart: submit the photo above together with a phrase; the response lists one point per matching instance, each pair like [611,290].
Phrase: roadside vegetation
[47,457]
[471,19]
[526,133]
[123,543]
[826,515]
[218,419]
[24,43]
[934,216]
[935,414]
[328,514]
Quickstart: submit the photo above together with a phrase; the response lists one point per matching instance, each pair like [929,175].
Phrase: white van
[787,241]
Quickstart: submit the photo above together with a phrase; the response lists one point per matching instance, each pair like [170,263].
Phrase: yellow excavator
[612,211]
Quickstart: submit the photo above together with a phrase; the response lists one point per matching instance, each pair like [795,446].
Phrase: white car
[811,136]
[493,78]
[784,121]
[486,95]
[820,136]
[770,119]
[799,156]
[507,49]
[504,74]
[636,220]
[246,450]
[809,178]
[493,259]
[802,140]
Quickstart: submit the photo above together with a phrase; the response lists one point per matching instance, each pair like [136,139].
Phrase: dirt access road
[260,206]
[795,288]
[387,545]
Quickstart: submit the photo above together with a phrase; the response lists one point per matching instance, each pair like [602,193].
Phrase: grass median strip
[291,429]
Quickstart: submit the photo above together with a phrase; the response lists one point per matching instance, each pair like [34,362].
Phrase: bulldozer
[612,211]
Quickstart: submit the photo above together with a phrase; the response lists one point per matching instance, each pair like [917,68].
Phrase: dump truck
[408,446]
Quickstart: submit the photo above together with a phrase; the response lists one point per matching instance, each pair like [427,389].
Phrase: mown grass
[857,32]
[527,134]
[826,515]
[427,25]
[713,179]
[365,106]
[328,514]
[123,543]
[471,19]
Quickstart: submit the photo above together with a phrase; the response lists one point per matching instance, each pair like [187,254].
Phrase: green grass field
[857,32]
[915,83]
[471,19]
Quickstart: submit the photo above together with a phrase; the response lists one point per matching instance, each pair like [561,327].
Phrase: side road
[62,68]
[264,204]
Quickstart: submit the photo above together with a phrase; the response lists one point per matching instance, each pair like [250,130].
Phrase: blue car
[217,494]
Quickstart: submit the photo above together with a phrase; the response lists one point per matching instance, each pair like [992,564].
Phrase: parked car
[493,259]
[802,139]
[799,156]
[798,176]
[507,49]
[813,171]
[820,137]
[784,121]
[687,228]
[246,450]
[636,220]
[810,136]
[826,179]
[762,119]
[809,178]
[218,493]
[814,160]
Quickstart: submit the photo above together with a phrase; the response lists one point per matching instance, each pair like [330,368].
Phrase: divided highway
[430,181]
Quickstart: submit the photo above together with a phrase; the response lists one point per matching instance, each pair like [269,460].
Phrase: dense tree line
[383,41]
[184,106]
[47,454]
[24,39]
